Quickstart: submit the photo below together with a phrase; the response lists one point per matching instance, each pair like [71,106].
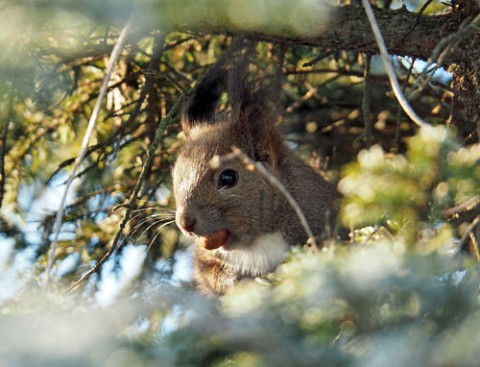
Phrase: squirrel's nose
[186,222]
[188,225]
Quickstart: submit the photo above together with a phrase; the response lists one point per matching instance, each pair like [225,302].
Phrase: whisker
[154,224]
[158,234]
[139,210]
[151,205]
[166,224]
[152,242]
[137,227]
[135,217]
[162,215]
[146,229]
[149,202]
[146,210]
[166,213]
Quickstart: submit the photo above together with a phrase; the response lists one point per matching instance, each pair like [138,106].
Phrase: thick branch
[405,33]
[319,24]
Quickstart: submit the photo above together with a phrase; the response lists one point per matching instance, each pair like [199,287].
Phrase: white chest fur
[263,256]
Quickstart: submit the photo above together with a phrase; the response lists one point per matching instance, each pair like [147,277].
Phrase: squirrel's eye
[227,178]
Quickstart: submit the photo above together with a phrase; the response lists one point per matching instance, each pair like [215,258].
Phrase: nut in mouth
[214,240]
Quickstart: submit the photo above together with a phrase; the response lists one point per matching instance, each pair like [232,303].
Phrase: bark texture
[405,33]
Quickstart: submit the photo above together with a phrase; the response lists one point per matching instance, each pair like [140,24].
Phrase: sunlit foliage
[401,290]
[415,190]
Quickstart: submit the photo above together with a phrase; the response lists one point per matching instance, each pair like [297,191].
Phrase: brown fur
[252,209]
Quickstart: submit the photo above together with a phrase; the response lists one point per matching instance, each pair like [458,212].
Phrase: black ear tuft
[201,104]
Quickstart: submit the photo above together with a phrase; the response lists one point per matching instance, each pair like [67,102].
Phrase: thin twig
[396,139]
[6,125]
[470,228]
[474,247]
[366,103]
[441,51]
[318,58]
[467,205]
[91,125]
[158,51]
[129,207]
[455,38]
[418,17]
[124,128]
[389,68]
[260,168]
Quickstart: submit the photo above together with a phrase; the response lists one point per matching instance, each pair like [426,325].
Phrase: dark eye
[227,178]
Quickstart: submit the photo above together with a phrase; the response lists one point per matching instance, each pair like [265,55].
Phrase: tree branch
[3,146]
[405,33]
[389,68]
[91,125]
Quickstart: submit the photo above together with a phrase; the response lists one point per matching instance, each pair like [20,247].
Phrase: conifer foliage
[107,281]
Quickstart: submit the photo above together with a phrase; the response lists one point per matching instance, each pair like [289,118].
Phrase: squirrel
[241,226]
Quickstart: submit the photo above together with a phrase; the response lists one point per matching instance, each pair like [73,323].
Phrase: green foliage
[414,189]
[368,306]
[362,307]
[49,106]
[399,294]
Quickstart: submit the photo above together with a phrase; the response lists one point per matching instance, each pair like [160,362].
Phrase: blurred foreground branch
[116,242]
[91,125]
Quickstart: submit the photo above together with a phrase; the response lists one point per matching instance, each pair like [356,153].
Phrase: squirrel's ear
[253,110]
[200,105]
[264,139]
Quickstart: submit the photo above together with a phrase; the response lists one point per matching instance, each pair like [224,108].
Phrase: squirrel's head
[226,205]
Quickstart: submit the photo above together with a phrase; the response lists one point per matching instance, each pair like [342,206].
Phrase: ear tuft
[200,106]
